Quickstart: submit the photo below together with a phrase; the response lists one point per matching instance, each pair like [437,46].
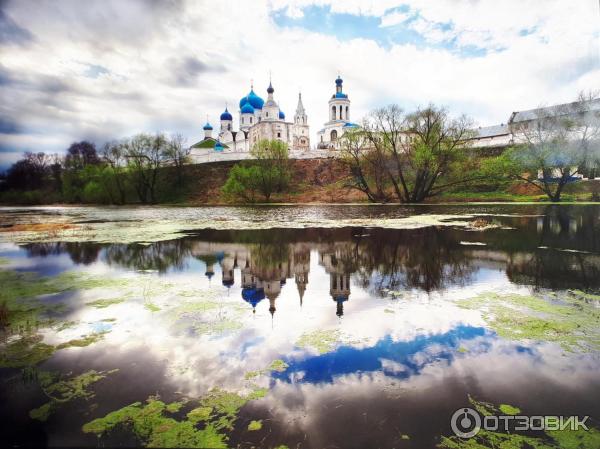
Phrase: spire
[300,107]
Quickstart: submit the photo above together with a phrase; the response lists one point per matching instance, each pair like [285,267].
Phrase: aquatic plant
[321,340]
[61,391]
[217,411]
[574,325]
[255,425]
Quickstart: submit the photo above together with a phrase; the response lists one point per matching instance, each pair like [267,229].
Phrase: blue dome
[247,109]
[255,101]
[350,125]
[218,146]
[281,115]
[207,127]
[340,95]
[253,295]
[339,81]
[226,115]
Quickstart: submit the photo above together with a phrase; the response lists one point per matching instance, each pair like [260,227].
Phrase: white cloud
[168,66]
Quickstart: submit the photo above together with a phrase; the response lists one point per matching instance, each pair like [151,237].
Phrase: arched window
[267,114]
[250,119]
[333,135]
[229,127]
[332,112]
[347,113]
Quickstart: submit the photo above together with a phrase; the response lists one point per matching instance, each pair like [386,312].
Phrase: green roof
[208,143]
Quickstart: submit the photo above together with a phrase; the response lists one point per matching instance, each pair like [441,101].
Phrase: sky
[107,69]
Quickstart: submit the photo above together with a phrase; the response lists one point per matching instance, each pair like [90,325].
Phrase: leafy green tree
[242,183]
[272,159]
[267,173]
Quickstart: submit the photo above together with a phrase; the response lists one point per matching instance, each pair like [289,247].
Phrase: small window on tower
[250,119]
[278,134]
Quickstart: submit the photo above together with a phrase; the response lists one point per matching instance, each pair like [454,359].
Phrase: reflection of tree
[80,252]
[428,259]
[158,256]
[555,270]
[571,228]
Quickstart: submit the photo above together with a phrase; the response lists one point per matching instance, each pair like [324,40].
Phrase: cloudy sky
[101,70]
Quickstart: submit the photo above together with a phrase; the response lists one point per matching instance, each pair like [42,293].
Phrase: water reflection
[405,354]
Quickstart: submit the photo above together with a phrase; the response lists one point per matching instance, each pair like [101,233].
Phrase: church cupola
[207,130]
[226,121]
[271,108]
[339,104]
[247,116]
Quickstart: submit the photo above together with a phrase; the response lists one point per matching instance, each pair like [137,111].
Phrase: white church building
[259,119]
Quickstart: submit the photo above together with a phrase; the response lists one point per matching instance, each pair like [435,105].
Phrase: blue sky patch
[320,19]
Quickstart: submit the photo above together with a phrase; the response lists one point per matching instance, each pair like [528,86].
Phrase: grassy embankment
[313,181]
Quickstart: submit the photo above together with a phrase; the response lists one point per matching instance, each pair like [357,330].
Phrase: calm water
[373,342]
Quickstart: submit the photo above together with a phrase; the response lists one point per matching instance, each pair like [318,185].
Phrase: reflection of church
[339,278]
[265,269]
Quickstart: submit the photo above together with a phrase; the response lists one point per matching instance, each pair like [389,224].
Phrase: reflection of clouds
[500,374]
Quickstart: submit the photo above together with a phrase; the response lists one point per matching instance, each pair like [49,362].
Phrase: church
[259,119]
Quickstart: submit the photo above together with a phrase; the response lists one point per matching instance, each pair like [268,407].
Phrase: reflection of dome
[226,115]
[228,282]
[253,296]
[255,101]
[281,115]
[247,109]
[207,127]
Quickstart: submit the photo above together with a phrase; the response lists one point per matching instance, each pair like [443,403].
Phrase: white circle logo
[465,422]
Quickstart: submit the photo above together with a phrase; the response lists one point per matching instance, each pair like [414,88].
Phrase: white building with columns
[339,119]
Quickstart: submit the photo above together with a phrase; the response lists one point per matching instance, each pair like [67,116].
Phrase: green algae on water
[255,425]
[509,409]
[104,303]
[217,410]
[62,391]
[322,340]
[521,317]
[151,307]
[278,365]
[28,350]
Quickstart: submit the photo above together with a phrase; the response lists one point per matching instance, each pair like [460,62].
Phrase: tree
[80,154]
[146,155]
[367,167]
[242,183]
[271,158]
[115,174]
[29,173]
[179,154]
[412,157]
[554,147]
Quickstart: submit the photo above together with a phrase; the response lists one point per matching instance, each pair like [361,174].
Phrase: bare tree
[416,156]
[146,154]
[556,145]
[366,164]
[114,154]
[178,154]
